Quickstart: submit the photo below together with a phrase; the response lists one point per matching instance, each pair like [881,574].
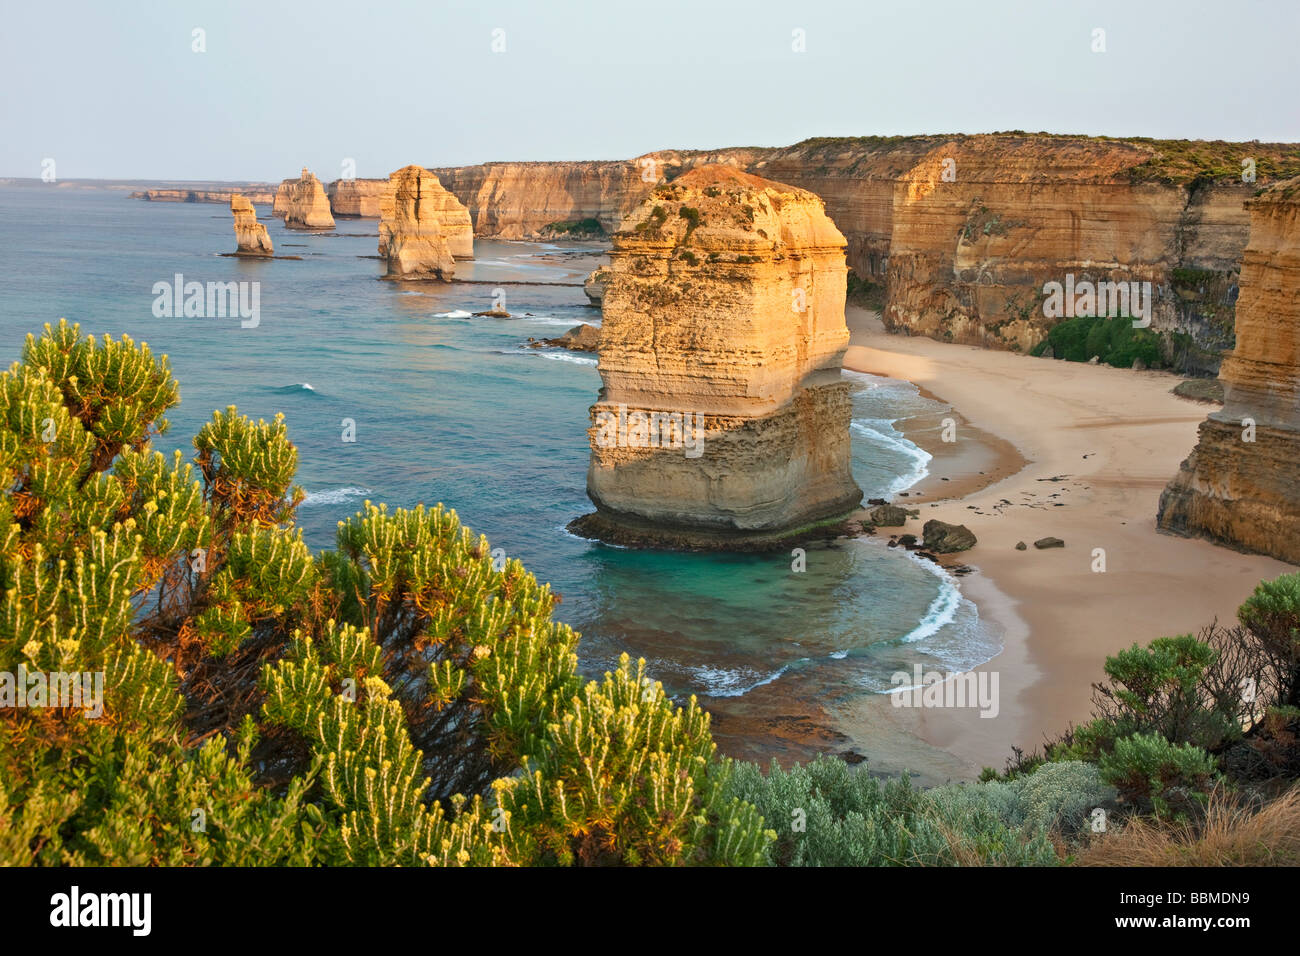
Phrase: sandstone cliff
[250,235]
[1241,484]
[413,212]
[963,231]
[251,193]
[356,198]
[723,421]
[280,205]
[306,206]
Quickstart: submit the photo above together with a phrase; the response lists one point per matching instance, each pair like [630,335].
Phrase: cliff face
[520,200]
[306,206]
[724,307]
[1241,486]
[413,211]
[250,235]
[356,198]
[964,231]
[252,194]
[280,205]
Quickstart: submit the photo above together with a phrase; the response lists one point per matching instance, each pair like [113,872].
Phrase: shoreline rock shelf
[723,313]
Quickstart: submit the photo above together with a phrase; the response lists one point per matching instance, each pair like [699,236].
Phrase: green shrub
[1145,768]
[1113,339]
[397,700]
[1272,615]
[1056,797]
[827,814]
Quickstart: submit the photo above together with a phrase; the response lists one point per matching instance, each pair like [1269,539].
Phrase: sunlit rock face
[723,420]
[306,206]
[250,235]
[1241,484]
[422,227]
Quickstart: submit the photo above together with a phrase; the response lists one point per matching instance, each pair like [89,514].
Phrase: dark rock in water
[1043,543]
[877,501]
[1020,546]
[944,538]
[580,338]
[493,314]
[890,516]
[851,758]
[908,540]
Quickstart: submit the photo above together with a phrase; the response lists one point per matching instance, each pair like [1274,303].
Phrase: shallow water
[449,408]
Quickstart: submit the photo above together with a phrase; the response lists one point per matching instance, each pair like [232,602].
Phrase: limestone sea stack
[723,422]
[307,205]
[357,198]
[420,227]
[280,207]
[250,235]
[1241,484]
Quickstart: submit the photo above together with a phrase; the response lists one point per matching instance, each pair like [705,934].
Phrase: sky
[121,90]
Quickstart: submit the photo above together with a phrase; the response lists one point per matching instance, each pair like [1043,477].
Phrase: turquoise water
[450,409]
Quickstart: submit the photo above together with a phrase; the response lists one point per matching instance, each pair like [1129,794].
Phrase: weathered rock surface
[594,286]
[963,231]
[1241,484]
[725,306]
[250,235]
[255,194]
[944,538]
[306,206]
[426,206]
[356,198]
[580,338]
[1042,544]
[411,236]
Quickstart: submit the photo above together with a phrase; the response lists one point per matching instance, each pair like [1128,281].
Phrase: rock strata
[306,205]
[723,421]
[1241,484]
[356,198]
[415,214]
[250,235]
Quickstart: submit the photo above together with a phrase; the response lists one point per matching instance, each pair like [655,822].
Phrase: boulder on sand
[944,538]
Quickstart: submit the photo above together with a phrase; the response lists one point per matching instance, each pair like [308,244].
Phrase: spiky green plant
[398,700]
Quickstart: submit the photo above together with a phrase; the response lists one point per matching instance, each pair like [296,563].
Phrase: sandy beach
[1078,452]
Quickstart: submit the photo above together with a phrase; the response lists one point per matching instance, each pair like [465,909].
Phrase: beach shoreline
[1096,445]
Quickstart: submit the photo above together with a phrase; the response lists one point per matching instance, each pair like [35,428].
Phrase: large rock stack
[422,227]
[306,206]
[356,198]
[725,307]
[1241,484]
[250,235]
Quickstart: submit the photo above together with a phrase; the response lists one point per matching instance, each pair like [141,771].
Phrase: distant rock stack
[357,198]
[250,235]
[306,205]
[723,422]
[422,227]
[280,207]
[1241,484]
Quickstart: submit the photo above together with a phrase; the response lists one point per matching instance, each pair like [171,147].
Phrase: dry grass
[1232,834]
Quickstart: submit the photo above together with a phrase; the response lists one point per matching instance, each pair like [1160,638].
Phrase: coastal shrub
[1146,769]
[825,813]
[400,699]
[1272,615]
[1055,797]
[1113,339]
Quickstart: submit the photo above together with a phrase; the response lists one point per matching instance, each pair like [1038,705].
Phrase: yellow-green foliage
[399,700]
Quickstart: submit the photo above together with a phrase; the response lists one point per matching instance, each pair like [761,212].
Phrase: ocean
[450,408]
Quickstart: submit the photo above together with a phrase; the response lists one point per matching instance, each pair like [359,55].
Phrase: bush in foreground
[403,699]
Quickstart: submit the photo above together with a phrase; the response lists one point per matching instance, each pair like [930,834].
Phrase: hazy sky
[115,90]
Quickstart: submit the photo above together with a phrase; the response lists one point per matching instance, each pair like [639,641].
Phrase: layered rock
[962,232]
[252,194]
[723,421]
[250,235]
[357,198]
[413,211]
[427,206]
[280,205]
[594,286]
[306,206]
[1241,484]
